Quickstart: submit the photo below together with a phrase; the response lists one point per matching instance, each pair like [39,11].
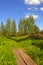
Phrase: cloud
[33,2]
[27,16]
[33,8]
[36,8]
[29,8]
[34,16]
[41,8]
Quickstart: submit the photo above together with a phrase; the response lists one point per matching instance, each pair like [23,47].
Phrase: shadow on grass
[26,38]
[18,40]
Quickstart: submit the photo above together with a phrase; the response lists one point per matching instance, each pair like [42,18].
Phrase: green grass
[6,55]
[7,45]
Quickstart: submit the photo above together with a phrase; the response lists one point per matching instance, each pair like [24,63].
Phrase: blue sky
[16,9]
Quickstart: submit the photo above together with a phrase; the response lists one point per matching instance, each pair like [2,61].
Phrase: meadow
[32,47]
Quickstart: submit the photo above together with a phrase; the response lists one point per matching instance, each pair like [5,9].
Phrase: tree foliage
[8,26]
[25,27]
[3,31]
[13,28]
[21,26]
[30,24]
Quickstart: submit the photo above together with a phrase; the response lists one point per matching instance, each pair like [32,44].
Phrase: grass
[6,55]
[7,45]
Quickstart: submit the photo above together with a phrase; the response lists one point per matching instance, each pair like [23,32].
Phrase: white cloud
[27,16]
[34,16]
[41,8]
[34,2]
[29,8]
[36,8]
[33,8]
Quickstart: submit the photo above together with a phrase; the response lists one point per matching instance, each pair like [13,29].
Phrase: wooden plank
[23,58]
[19,59]
[26,58]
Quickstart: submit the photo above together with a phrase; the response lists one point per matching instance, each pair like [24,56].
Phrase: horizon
[16,9]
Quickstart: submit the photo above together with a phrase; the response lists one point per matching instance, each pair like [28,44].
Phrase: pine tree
[21,26]
[8,27]
[3,31]
[13,28]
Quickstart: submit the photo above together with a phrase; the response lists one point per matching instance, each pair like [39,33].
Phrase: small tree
[13,28]
[21,26]
[8,27]
[36,29]
[3,31]
[30,24]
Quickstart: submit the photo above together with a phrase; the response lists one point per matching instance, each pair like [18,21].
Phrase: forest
[25,27]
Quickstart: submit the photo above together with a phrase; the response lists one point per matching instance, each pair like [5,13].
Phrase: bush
[38,43]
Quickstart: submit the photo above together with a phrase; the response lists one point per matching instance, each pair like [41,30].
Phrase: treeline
[9,28]
[25,27]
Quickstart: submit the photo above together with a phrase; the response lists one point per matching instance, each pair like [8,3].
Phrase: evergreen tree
[8,27]
[30,24]
[3,32]
[13,28]
[36,29]
[21,26]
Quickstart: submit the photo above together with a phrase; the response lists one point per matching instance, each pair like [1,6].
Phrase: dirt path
[23,58]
